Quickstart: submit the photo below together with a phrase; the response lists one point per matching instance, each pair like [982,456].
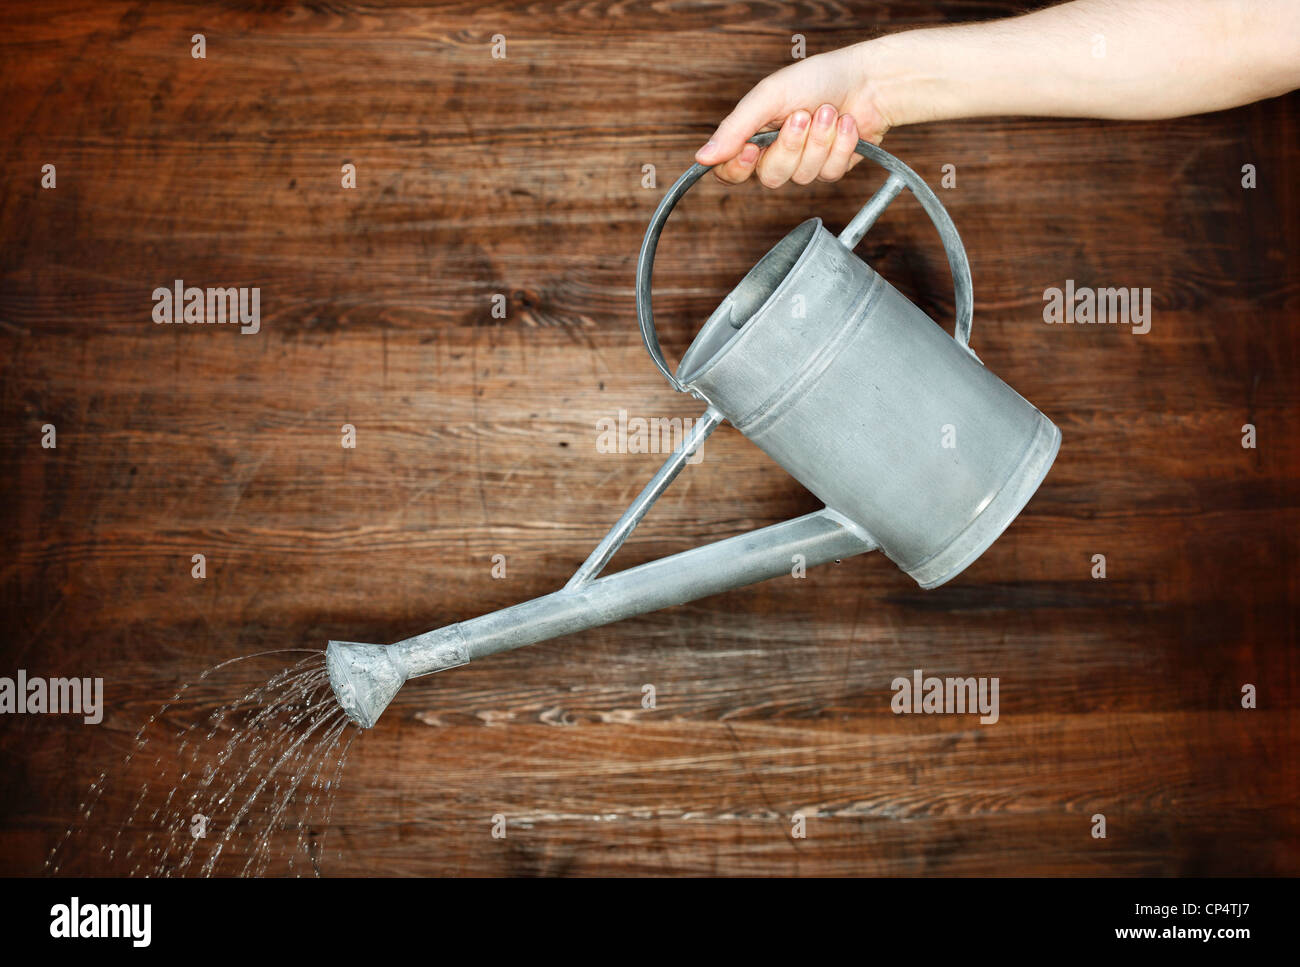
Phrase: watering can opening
[757,289]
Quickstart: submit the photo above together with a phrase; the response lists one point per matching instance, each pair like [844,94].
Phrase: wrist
[905,78]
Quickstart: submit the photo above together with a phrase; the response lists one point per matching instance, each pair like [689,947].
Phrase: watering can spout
[366,677]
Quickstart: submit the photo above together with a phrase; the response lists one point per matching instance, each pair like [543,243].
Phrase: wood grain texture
[476,436]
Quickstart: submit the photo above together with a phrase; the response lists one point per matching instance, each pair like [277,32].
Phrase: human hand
[822,106]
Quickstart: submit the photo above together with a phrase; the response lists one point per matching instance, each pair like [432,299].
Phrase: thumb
[760,106]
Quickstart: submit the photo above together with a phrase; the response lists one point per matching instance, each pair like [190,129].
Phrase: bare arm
[1141,59]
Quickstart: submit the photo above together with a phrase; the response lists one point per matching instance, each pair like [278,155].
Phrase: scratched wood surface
[476,437]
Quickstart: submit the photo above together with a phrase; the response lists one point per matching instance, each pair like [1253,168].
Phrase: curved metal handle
[900,176]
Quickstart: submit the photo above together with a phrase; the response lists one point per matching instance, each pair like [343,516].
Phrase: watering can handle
[900,176]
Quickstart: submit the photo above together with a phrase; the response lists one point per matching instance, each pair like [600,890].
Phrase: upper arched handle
[900,176]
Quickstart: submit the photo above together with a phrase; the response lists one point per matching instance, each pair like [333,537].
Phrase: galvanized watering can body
[915,448]
[870,405]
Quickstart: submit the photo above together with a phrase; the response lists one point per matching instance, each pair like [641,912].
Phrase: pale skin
[1135,60]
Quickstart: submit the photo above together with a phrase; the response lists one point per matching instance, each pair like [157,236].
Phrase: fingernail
[846,124]
[825,116]
[707,149]
[798,120]
[749,154]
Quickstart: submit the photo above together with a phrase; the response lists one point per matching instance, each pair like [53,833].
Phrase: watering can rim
[715,321]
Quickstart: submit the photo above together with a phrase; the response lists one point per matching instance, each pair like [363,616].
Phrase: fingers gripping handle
[900,176]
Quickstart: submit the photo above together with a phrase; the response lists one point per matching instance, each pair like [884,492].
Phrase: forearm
[1133,60]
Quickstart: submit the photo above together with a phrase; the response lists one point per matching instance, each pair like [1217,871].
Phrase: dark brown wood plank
[476,436]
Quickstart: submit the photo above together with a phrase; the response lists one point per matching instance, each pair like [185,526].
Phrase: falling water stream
[246,791]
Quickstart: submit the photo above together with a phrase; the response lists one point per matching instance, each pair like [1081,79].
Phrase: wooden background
[476,436]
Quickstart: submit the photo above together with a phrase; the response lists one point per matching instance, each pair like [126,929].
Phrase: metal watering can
[914,447]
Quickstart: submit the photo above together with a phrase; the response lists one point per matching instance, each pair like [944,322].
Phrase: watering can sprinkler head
[913,446]
[364,678]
